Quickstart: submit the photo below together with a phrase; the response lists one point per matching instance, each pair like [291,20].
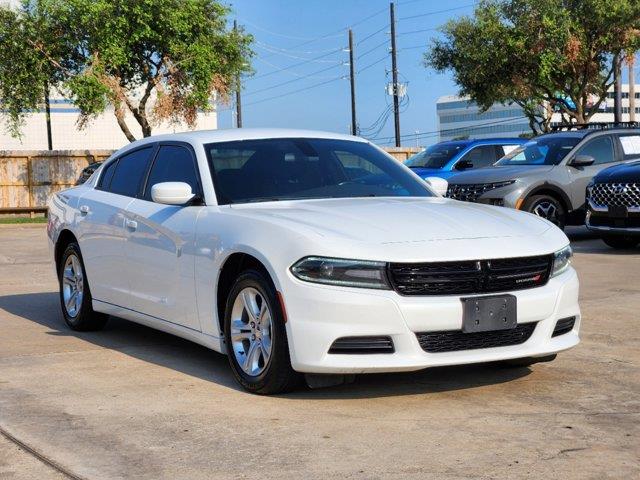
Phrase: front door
[160,243]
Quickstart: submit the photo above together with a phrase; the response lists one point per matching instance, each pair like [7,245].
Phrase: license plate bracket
[483,314]
[618,211]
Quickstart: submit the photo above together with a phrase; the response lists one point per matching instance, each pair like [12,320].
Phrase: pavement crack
[40,456]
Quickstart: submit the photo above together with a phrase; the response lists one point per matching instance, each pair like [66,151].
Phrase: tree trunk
[123,125]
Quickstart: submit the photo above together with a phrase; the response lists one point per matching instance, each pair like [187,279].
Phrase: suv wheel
[256,337]
[547,207]
[75,296]
[621,241]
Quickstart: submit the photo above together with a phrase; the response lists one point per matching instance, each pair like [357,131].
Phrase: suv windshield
[436,156]
[304,168]
[540,151]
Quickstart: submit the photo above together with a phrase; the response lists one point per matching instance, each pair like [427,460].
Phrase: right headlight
[561,261]
[343,272]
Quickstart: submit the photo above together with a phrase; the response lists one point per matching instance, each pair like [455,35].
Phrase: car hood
[394,220]
[499,174]
[624,173]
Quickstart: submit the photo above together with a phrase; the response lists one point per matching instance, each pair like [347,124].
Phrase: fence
[29,177]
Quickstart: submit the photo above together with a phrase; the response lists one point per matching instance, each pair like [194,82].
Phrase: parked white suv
[304,252]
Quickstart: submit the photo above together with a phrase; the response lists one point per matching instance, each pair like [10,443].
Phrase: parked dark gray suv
[548,175]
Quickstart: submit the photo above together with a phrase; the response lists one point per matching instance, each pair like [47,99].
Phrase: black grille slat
[361,345]
[467,277]
[456,340]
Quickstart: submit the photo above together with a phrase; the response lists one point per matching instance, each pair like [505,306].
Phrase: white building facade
[459,117]
[101,132]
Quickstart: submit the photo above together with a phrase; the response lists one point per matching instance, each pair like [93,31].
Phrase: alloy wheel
[251,336]
[72,285]
[547,210]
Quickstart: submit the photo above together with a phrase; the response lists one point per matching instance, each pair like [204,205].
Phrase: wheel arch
[232,266]
[65,237]
[552,191]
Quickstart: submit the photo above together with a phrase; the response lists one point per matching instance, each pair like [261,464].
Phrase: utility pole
[631,62]
[617,88]
[238,86]
[394,73]
[352,79]
[47,115]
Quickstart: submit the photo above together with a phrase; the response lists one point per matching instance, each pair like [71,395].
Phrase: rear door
[602,149]
[101,225]
[160,242]
[479,156]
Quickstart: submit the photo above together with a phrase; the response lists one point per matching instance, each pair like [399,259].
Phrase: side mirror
[463,165]
[439,185]
[582,161]
[171,193]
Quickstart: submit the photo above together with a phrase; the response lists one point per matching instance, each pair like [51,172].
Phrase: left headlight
[341,271]
[561,260]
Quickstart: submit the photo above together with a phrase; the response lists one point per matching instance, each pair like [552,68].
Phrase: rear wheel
[547,207]
[75,296]
[621,241]
[256,337]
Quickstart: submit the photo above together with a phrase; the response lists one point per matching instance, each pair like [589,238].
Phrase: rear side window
[173,164]
[130,172]
[601,149]
[630,146]
[107,175]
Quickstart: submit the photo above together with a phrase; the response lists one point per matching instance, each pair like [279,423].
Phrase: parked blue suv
[444,159]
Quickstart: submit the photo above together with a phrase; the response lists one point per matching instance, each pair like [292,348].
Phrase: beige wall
[28,177]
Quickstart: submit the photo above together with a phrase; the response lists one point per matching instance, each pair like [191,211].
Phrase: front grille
[456,340]
[471,192]
[564,325]
[360,345]
[471,276]
[615,194]
[468,193]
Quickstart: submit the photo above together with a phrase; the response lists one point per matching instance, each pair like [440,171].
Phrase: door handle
[131,224]
[84,209]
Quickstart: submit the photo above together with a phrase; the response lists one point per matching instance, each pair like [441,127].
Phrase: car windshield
[436,156]
[305,168]
[541,151]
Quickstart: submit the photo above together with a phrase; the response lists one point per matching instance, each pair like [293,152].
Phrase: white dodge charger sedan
[300,252]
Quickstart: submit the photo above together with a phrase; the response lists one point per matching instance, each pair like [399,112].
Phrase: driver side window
[481,156]
[601,149]
[173,164]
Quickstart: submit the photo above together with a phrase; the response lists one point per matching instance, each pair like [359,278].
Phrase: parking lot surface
[130,402]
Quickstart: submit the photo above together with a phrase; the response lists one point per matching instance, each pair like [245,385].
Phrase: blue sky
[289,33]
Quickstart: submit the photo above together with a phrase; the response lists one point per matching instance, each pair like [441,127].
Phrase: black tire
[84,318]
[277,375]
[547,207]
[621,241]
[527,361]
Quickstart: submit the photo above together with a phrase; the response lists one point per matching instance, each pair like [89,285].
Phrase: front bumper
[602,222]
[318,315]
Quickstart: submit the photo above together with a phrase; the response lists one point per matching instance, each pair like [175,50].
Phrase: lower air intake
[564,325]
[362,345]
[455,340]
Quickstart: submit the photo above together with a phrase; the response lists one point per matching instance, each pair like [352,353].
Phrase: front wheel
[621,241]
[75,296]
[256,337]
[548,208]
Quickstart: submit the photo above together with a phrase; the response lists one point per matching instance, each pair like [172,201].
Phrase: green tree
[544,55]
[159,60]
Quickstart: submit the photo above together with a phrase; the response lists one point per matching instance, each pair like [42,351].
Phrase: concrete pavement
[130,402]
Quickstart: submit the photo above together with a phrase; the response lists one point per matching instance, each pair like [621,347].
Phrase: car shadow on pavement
[584,241]
[149,345]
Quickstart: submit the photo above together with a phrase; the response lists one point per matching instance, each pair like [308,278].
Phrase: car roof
[235,134]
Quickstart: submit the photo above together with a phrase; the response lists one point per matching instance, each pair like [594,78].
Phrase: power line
[278,34]
[372,64]
[302,77]
[426,14]
[310,60]
[299,52]
[372,34]
[296,57]
[386,41]
[309,87]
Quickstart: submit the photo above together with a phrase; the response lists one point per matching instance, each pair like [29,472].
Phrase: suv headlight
[341,271]
[561,260]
